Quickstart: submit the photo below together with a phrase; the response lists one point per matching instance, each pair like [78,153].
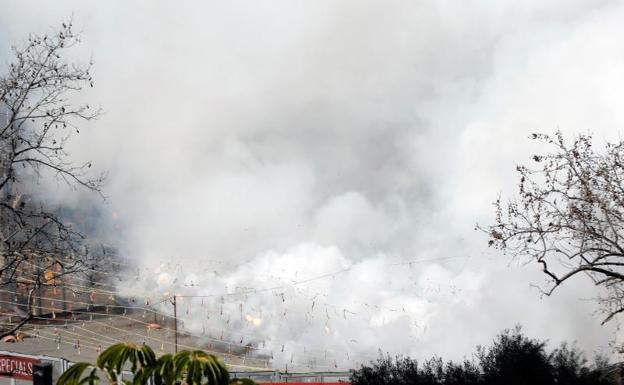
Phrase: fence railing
[264,377]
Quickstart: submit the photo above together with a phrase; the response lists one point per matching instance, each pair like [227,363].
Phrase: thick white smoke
[259,145]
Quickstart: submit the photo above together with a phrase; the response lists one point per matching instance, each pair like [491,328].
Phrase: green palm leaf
[74,375]
[196,368]
[142,360]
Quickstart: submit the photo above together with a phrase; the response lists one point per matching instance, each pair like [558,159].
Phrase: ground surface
[81,337]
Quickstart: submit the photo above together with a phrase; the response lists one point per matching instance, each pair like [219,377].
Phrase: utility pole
[63,292]
[39,289]
[175,323]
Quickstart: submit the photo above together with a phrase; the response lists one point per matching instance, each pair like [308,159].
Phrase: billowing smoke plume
[318,167]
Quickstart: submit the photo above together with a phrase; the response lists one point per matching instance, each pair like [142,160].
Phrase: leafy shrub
[512,359]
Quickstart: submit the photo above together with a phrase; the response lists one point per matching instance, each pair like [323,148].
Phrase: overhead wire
[57,329]
[249,291]
[291,284]
[124,316]
[147,337]
[35,336]
[186,332]
[229,343]
[95,304]
[40,328]
[312,279]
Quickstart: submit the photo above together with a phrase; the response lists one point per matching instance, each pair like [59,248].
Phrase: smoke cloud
[334,157]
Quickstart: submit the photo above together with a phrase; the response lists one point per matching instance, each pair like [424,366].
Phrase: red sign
[17,367]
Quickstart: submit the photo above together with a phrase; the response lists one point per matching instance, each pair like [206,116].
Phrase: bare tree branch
[37,120]
[569,216]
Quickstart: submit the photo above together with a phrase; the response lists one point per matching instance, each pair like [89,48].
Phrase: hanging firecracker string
[240,306]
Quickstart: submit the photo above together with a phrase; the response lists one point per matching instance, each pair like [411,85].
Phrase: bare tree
[569,216]
[37,118]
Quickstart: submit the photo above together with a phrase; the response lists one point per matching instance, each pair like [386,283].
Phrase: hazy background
[257,144]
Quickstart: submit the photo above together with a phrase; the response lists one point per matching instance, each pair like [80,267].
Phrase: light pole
[175,323]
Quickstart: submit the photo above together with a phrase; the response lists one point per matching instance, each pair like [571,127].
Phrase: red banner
[17,367]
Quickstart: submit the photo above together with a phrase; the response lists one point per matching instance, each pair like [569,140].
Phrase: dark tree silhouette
[37,246]
[515,360]
[569,216]
[466,373]
[511,359]
[388,371]
[570,367]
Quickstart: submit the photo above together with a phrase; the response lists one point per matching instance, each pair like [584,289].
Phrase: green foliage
[515,359]
[166,371]
[466,373]
[75,375]
[200,365]
[387,372]
[114,359]
[512,359]
[195,368]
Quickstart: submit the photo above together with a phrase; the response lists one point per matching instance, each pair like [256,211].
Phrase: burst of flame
[255,321]
[164,279]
